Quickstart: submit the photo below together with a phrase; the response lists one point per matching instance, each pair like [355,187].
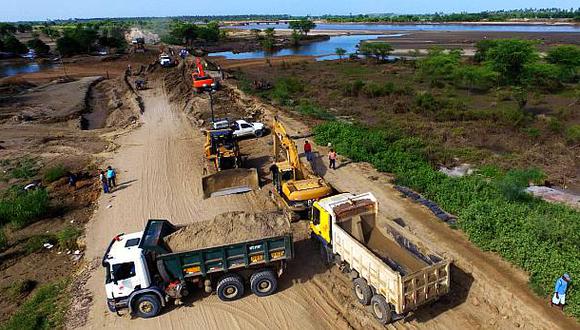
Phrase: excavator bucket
[229,182]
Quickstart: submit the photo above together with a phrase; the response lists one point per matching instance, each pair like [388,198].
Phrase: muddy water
[96,117]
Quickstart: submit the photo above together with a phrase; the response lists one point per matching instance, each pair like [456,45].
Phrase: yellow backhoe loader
[222,149]
[294,187]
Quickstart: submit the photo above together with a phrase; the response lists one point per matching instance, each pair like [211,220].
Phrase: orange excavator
[201,81]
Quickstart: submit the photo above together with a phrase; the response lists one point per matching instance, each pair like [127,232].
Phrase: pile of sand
[228,228]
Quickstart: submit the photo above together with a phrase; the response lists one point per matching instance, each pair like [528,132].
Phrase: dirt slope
[160,174]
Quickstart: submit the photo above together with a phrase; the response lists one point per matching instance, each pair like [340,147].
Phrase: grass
[20,208]
[44,310]
[314,111]
[36,243]
[25,169]
[3,239]
[18,289]
[573,134]
[542,238]
[54,173]
[67,238]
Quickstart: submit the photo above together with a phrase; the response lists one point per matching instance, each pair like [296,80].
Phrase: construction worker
[332,159]
[308,150]
[111,177]
[559,298]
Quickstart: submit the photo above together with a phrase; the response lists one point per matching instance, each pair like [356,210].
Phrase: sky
[11,10]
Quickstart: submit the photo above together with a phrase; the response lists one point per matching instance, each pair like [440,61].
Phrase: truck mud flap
[228,182]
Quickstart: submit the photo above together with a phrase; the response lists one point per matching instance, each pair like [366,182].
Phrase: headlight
[204,85]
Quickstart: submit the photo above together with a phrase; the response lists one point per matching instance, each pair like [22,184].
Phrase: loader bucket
[228,182]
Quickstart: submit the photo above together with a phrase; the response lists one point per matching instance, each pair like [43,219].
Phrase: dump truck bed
[405,273]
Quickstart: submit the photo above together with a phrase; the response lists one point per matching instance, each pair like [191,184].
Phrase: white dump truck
[390,269]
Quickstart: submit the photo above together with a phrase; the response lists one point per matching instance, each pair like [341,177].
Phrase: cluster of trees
[502,15]
[376,49]
[503,62]
[87,37]
[9,43]
[300,29]
[184,33]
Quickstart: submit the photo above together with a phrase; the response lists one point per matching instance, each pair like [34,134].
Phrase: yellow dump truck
[391,271]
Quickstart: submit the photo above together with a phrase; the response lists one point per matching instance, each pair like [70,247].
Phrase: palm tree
[340,52]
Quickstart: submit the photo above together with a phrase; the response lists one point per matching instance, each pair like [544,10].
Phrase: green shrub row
[539,237]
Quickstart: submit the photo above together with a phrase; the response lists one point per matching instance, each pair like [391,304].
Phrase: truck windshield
[121,271]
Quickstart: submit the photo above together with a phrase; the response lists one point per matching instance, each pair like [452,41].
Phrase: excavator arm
[283,141]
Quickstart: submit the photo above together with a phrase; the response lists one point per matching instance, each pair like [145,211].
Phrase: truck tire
[230,287]
[147,306]
[263,283]
[362,291]
[381,309]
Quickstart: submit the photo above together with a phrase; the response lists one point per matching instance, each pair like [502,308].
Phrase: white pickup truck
[241,127]
[391,270]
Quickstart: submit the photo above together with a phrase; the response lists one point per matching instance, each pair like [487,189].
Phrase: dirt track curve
[160,169]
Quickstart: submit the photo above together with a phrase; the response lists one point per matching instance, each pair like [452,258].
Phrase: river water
[322,50]
[429,27]
[12,68]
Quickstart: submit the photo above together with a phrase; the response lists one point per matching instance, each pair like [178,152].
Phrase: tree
[7,28]
[510,56]
[482,47]
[13,45]
[474,77]
[340,52]
[544,76]
[568,58]
[269,39]
[256,33]
[24,28]
[39,46]
[378,50]
[439,67]
[304,26]
[79,40]
[50,32]
[295,36]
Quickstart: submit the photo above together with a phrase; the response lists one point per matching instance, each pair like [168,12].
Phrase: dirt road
[160,173]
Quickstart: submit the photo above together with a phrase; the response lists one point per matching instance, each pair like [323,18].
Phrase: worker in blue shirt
[559,298]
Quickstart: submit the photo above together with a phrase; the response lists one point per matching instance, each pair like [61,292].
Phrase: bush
[373,89]
[543,76]
[20,208]
[284,89]
[472,77]
[36,243]
[426,102]
[573,134]
[509,58]
[39,46]
[314,111]
[19,289]
[12,45]
[438,67]
[44,310]
[555,125]
[540,237]
[54,173]
[67,238]
[3,239]
[567,57]
[26,168]
[378,50]
[352,88]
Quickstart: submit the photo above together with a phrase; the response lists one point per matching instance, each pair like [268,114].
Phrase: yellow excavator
[294,187]
[222,149]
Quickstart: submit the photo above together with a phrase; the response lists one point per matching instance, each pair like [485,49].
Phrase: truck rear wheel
[147,306]
[263,283]
[362,291]
[381,309]
[230,287]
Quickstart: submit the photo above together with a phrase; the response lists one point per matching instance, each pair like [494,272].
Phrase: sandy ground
[160,174]
[160,168]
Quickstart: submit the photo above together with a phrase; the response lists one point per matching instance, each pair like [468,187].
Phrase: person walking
[72,180]
[111,177]
[559,298]
[308,150]
[332,159]
[104,182]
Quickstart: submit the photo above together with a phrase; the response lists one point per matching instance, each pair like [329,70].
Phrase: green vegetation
[303,26]
[509,58]
[187,34]
[26,168]
[284,89]
[312,110]
[573,134]
[12,45]
[20,208]
[3,239]
[494,16]
[567,57]
[439,67]
[44,310]
[39,46]
[378,50]
[540,237]
[36,243]
[84,38]
[67,238]
[340,52]
[18,289]
[54,173]
[269,41]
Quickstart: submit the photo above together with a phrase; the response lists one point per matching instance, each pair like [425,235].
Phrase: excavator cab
[222,148]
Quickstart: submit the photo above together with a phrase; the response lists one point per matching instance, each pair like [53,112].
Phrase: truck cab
[127,276]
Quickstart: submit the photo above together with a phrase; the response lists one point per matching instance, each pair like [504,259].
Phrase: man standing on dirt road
[559,298]
[111,177]
[308,150]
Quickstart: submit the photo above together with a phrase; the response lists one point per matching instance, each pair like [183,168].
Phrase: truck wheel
[381,309]
[147,306]
[263,283]
[230,287]
[362,291]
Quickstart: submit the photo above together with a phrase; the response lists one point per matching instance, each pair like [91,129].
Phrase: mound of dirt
[228,228]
